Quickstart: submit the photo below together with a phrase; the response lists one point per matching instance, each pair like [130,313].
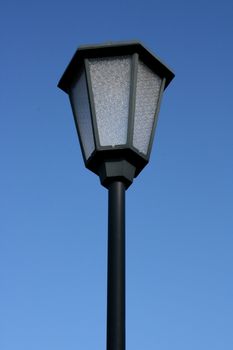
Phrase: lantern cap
[113,49]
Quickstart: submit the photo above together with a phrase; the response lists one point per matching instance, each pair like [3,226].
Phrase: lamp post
[115,92]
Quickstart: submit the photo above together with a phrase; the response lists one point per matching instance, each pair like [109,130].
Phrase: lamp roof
[113,49]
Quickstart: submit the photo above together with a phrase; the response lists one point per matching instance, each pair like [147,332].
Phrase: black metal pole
[116,267]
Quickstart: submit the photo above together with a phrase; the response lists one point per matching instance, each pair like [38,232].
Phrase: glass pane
[147,96]
[110,79]
[80,103]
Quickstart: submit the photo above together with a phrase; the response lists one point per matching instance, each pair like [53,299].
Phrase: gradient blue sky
[179,210]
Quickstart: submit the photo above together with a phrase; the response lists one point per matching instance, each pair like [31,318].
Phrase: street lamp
[115,92]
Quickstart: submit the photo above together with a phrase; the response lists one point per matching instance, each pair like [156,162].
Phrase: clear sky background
[54,212]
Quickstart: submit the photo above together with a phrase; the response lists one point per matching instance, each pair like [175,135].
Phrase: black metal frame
[121,162]
[132,97]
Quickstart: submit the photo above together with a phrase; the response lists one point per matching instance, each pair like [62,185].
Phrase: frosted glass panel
[147,96]
[80,103]
[110,79]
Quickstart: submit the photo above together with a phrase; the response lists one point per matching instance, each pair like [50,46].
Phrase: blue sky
[54,212]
